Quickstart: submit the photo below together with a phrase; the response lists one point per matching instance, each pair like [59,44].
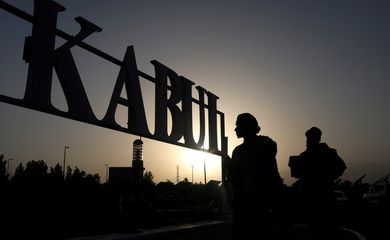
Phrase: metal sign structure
[44,58]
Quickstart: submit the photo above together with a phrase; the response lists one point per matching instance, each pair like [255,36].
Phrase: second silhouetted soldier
[318,167]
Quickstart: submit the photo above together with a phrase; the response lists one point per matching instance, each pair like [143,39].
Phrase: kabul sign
[42,56]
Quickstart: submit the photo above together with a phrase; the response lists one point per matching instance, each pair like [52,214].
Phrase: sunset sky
[292,64]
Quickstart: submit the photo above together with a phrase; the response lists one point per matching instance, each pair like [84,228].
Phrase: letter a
[128,76]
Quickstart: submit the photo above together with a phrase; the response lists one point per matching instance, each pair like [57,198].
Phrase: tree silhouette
[56,176]
[3,170]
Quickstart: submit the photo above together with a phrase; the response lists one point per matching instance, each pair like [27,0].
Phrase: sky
[292,64]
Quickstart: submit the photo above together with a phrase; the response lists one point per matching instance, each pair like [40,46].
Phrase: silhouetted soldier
[317,168]
[253,173]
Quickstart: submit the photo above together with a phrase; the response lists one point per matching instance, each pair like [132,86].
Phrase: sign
[43,58]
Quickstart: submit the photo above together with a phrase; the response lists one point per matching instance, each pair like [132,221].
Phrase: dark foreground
[214,230]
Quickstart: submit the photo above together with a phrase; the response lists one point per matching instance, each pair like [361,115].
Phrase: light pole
[204,170]
[66,147]
[204,164]
[192,173]
[106,172]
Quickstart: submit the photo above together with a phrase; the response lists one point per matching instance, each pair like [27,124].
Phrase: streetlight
[192,172]
[66,147]
[204,164]
[204,170]
[106,171]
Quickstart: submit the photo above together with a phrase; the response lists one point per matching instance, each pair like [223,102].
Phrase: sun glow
[205,166]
